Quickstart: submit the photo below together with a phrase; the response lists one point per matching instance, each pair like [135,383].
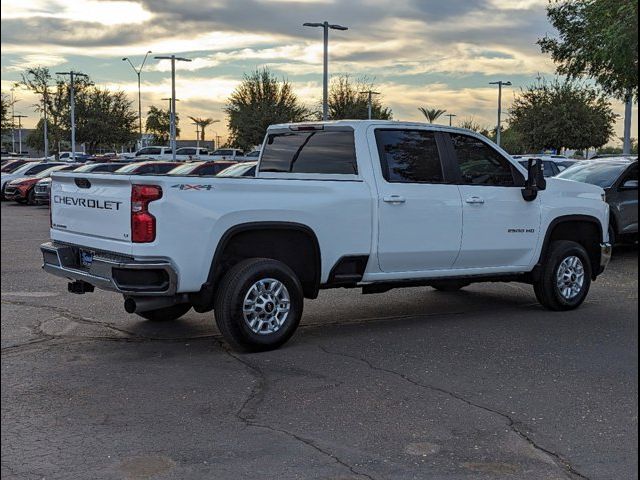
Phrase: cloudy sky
[420,52]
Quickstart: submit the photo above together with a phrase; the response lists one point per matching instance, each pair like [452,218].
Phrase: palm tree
[432,114]
[203,123]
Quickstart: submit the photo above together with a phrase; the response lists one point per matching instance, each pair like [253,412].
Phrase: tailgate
[92,205]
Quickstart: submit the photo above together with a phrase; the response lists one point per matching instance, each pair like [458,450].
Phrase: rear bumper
[110,271]
[606,250]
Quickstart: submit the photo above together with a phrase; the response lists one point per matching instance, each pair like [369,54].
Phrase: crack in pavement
[253,401]
[557,459]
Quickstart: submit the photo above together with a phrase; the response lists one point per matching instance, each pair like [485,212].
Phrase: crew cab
[373,205]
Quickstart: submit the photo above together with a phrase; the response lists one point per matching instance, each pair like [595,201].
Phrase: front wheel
[258,304]
[566,277]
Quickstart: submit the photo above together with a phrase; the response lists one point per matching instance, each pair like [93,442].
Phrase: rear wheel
[566,277]
[258,304]
[612,234]
[166,314]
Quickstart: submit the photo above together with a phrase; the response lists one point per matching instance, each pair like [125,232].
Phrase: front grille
[9,191]
[41,189]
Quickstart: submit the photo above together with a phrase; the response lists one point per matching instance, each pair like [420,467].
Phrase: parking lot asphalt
[409,384]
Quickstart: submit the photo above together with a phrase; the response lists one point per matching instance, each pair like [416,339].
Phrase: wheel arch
[294,244]
[586,230]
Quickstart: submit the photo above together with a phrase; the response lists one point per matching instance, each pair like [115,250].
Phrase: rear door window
[409,156]
[318,151]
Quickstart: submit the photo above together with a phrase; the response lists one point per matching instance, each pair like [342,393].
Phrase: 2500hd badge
[88,202]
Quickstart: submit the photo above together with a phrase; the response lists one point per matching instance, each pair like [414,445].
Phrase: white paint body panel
[433,234]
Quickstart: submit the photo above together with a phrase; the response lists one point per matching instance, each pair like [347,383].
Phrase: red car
[21,189]
[151,167]
[201,168]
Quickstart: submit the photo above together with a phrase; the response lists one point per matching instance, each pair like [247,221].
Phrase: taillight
[143,224]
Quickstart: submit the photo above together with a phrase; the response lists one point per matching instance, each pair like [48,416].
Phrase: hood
[24,180]
[574,188]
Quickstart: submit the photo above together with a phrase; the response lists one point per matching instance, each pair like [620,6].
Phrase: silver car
[619,179]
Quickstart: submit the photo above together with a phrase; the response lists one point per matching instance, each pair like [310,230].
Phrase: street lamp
[172,115]
[138,73]
[325,81]
[72,100]
[370,94]
[450,115]
[19,117]
[500,84]
[168,99]
[13,126]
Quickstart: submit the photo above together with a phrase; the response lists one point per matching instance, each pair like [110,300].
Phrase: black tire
[449,285]
[546,288]
[230,296]
[166,314]
[612,235]
[31,197]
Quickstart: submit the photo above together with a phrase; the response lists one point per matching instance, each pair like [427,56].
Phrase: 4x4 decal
[187,186]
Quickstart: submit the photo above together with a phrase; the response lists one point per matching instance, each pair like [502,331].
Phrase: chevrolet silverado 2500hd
[369,204]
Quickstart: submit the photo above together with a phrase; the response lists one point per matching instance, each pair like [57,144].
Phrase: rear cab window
[409,156]
[310,152]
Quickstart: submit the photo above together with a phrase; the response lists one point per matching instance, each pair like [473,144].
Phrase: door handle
[393,199]
[475,200]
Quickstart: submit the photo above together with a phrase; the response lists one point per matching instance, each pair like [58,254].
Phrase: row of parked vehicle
[29,182]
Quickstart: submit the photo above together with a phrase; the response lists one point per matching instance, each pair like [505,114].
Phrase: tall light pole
[172,114]
[370,94]
[197,124]
[45,127]
[72,76]
[138,73]
[325,80]
[13,125]
[450,115]
[500,84]
[628,112]
[19,117]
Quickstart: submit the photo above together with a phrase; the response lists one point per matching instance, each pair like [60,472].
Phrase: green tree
[556,115]
[259,101]
[598,39]
[104,119]
[159,125]
[347,100]
[432,114]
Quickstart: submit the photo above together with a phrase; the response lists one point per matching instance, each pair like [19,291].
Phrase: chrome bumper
[109,271]
[606,250]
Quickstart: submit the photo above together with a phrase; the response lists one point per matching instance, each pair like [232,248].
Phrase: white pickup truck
[373,205]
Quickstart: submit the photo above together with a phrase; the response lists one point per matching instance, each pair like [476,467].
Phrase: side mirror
[535,180]
[630,185]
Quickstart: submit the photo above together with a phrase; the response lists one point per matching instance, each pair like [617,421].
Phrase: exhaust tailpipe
[145,304]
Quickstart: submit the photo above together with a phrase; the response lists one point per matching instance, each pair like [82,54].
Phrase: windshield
[129,168]
[184,169]
[602,174]
[236,170]
[48,171]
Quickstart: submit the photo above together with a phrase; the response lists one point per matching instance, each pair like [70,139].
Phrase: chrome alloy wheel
[570,277]
[266,306]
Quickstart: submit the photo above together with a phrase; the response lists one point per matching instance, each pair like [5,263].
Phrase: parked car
[29,169]
[243,169]
[373,205]
[233,154]
[151,153]
[553,164]
[146,168]
[42,189]
[550,168]
[80,157]
[22,190]
[618,176]
[187,154]
[11,165]
[201,168]
[601,156]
